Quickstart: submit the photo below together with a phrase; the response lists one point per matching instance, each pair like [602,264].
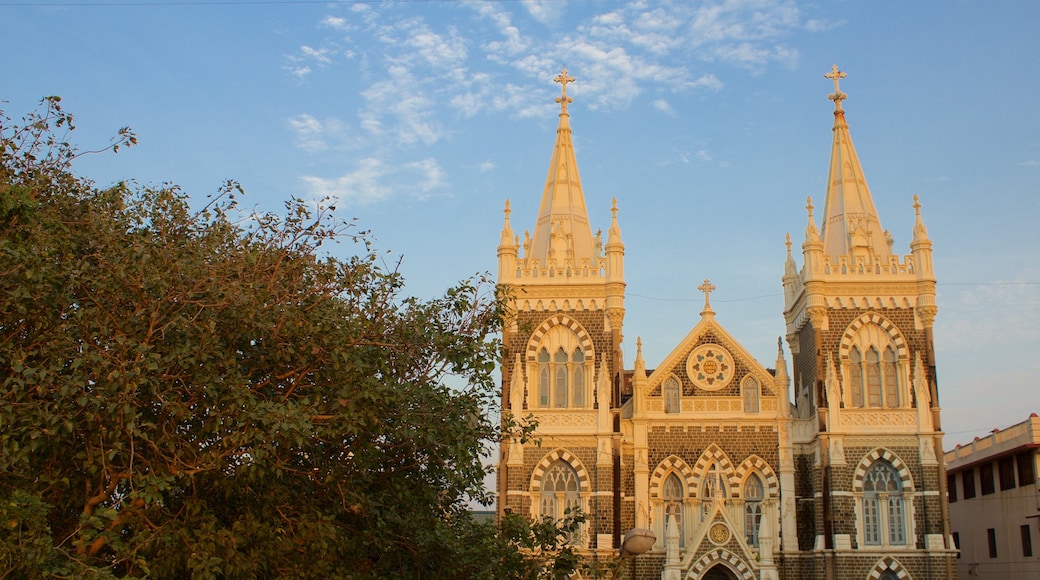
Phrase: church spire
[562,233]
[850,225]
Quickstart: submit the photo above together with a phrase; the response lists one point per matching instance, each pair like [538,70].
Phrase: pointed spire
[920,231]
[850,224]
[508,238]
[783,380]
[562,232]
[790,268]
[640,364]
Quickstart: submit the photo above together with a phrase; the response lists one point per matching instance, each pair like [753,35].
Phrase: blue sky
[708,121]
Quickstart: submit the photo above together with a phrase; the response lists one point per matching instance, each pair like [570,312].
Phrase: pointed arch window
[875,374]
[673,496]
[752,395]
[671,390]
[856,376]
[578,380]
[561,490]
[891,378]
[884,519]
[543,378]
[560,392]
[753,493]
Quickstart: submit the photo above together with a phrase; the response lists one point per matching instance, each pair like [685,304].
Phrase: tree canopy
[209,393]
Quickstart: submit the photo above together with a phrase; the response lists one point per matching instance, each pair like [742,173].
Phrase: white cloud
[361,185]
[663,106]
[313,135]
[486,166]
[544,11]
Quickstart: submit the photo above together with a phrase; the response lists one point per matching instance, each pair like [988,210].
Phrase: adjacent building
[825,466]
[995,503]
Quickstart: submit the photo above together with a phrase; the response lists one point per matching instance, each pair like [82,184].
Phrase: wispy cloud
[314,135]
[495,58]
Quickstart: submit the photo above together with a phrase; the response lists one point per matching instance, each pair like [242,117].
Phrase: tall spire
[562,232]
[850,222]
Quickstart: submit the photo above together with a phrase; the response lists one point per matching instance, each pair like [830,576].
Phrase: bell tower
[859,325]
[562,338]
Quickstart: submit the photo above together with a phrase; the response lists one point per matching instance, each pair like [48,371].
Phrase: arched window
[543,378]
[560,490]
[671,395]
[673,496]
[856,376]
[754,493]
[884,520]
[873,368]
[875,373]
[578,382]
[891,378]
[560,394]
[752,392]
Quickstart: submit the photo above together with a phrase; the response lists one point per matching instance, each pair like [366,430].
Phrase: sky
[707,121]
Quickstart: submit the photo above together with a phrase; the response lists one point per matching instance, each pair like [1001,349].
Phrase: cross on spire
[564,80]
[837,96]
[707,287]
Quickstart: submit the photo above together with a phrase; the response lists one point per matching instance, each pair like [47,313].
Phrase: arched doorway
[718,572]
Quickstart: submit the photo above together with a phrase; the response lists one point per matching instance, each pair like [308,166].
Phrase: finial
[920,231]
[707,288]
[564,80]
[788,244]
[613,208]
[917,205]
[507,211]
[837,96]
[809,208]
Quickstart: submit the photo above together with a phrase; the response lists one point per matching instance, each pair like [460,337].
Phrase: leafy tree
[192,394]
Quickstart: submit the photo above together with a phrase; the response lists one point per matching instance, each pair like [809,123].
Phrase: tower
[859,326]
[562,342]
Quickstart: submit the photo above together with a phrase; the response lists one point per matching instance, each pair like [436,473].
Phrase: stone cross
[837,96]
[707,288]
[564,80]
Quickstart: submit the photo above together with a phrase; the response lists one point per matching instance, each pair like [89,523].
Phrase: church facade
[826,466]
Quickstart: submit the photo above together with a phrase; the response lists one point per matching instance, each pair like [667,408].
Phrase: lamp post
[637,541]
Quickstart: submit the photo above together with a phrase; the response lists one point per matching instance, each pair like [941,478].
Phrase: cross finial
[707,287]
[837,96]
[564,80]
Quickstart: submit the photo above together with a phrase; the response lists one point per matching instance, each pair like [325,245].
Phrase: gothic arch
[715,454]
[549,458]
[754,464]
[720,556]
[671,464]
[888,564]
[882,453]
[868,319]
[559,320]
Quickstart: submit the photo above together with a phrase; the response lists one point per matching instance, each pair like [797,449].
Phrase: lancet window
[752,392]
[673,496]
[670,390]
[753,494]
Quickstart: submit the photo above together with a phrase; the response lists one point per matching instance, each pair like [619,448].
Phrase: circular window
[710,367]
[719,533]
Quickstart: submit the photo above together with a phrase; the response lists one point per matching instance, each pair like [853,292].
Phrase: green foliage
[187,395]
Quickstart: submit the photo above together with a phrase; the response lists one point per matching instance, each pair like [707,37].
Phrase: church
[826,466]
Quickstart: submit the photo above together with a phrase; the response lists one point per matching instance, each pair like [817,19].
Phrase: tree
[188,393]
